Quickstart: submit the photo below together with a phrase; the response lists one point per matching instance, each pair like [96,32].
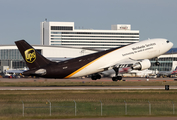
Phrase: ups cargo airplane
[93,63]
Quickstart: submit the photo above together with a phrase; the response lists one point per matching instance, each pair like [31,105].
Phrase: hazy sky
[20,19]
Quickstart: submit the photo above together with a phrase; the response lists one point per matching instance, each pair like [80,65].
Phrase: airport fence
[87,108]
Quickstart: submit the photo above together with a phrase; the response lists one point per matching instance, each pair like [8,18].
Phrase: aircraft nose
[170,44]
[166,46]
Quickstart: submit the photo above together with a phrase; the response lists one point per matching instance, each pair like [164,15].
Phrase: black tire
[98,76]
[157,63]
[119,77]
[114,79]
[94,78]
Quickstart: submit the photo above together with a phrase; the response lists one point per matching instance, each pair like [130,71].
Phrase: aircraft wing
[126,66]
[134,64]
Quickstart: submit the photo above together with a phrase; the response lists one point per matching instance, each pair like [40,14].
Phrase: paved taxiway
[125,118]
[79,79]
[90,88]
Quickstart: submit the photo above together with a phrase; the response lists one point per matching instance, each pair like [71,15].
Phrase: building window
[61,28]
[55,32]
[55,38]
[101,33]
[55,35]
[55,41]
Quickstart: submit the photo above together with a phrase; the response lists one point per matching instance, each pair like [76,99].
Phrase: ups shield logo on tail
[30,55]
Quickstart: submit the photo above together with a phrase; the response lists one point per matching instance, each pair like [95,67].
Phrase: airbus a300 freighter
[93,63]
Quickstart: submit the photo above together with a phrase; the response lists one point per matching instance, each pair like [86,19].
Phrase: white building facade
[64,34]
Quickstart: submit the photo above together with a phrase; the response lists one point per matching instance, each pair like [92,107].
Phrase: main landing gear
[116,78]
[96,76]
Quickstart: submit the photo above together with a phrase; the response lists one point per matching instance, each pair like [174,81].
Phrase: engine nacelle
[144,64]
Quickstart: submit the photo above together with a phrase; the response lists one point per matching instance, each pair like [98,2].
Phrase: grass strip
[88,103]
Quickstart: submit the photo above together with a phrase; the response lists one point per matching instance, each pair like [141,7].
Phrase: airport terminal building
[168,61]
[64,34]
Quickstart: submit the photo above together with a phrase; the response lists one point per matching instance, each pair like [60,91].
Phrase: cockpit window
[167,41]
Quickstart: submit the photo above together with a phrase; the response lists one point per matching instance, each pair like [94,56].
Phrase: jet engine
[144,64]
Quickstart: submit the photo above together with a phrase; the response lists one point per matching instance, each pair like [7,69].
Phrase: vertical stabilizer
[32,58]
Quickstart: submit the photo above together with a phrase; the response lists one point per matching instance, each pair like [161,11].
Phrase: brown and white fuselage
[92,63]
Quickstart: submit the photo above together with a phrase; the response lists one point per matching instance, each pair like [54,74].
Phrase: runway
[12,80]
[86,80]
[91,88]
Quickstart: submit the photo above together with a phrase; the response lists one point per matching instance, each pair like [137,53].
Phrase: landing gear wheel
[93,78]
[96,76]
[114,79]
[157,63]
[117,78]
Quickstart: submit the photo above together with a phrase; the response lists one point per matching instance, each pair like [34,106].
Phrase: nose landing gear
[157,63]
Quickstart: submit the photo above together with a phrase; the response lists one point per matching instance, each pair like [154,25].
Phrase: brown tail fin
[32,58]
